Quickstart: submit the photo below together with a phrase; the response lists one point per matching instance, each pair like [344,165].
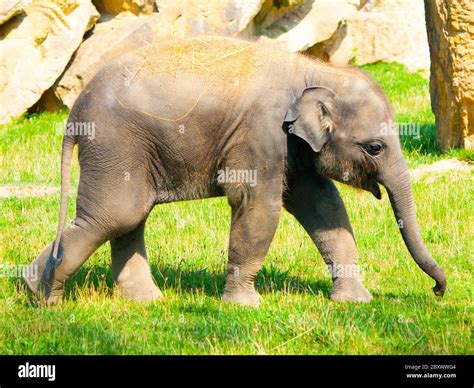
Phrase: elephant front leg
[316,204]
[255,215]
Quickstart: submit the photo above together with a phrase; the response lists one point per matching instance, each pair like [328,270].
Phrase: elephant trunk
[401,197]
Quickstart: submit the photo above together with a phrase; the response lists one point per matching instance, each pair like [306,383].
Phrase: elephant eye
[373,148]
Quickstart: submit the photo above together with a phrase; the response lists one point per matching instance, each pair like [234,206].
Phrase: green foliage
[354,60]
[30,149]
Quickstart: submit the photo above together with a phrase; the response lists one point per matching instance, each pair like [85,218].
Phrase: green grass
[187,244]
[30,150]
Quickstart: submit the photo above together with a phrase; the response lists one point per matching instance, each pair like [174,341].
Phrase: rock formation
[451,38]
[47,56]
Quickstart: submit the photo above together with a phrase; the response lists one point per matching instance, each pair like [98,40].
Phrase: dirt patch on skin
[219,58]
[435,170]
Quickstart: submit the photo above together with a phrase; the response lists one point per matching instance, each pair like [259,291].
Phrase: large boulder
[391,31]
[9,8]
[451,36]
[348,31]
[299,25]
[36,47]
[193,17]
[107,41]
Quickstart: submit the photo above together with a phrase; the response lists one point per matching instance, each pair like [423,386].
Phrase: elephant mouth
[374,188]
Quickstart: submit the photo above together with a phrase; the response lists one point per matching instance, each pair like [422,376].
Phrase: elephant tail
[68,147]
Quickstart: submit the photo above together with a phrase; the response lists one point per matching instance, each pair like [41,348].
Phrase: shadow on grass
[421,297]
[269,280]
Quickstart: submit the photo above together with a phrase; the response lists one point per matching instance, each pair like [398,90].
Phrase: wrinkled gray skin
[161,139]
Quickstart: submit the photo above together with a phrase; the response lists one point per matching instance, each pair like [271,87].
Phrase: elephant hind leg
[130,268]
[79,241]
[112,211]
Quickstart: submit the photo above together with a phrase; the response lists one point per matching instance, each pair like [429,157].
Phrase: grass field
[187,244]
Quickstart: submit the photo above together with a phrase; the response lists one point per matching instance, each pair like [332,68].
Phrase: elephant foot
[135,282]
[43,292]
[138,292]
[33,282]
[349,290]
[242,297]
[34,278]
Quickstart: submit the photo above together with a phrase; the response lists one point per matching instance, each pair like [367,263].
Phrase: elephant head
[348,130]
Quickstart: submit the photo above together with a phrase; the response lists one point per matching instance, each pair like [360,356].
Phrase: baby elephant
[214,116]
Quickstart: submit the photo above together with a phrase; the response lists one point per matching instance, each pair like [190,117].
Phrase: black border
[135,371]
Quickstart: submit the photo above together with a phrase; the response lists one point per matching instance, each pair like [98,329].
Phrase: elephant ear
[309,118]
